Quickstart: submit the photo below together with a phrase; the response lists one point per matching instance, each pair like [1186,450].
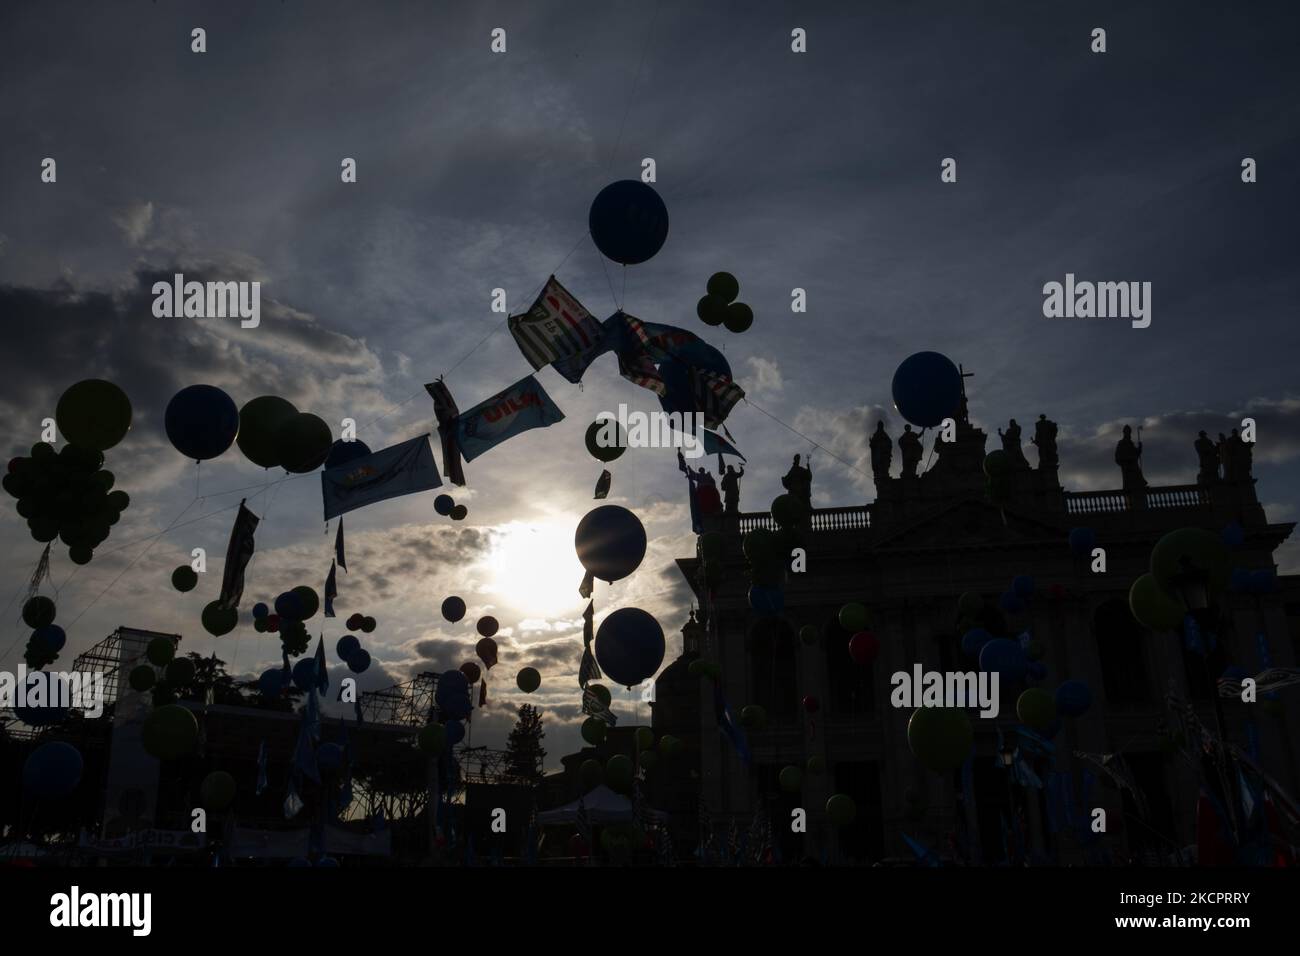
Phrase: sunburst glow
[533,569]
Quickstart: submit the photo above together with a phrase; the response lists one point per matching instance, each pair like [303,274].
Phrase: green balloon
[711,309]
[432,738]
[528,680]
[1193,549]
[180,672]
[816,765]
[791,779]
[602,693]
[259,426]
[753,716]
[184,578]
[169,732]
[853,617]
[39,612]
[218,620]
[809,634]
[309,599]
[94,414]
[941,738]
[594,730]
[645,738]
[788,511]
[1154,608]
[619,773]
[591,774]
[1036,708]
[841,809]
[606,430]
[738,317]
[724,286]
[217,790]
[142,678]
[160,651]
[305,442]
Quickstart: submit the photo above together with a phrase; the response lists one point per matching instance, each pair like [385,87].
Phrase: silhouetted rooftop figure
[1128,455]
[798,481]
[909,446]
[1045,441]
[1236,458]
[882,452]
[731,489]
[1207,453]
[1011,445]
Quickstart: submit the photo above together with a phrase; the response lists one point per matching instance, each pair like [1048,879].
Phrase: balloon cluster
[446,506]
[351,652]
[292,610]
[273,433]
[178,673]
[719,306]
[1190,567]
[47,637]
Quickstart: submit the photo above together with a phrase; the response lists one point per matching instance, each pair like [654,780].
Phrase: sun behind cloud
[533,570]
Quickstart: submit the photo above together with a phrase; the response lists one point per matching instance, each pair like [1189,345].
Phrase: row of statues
[1230,459]
[909,446]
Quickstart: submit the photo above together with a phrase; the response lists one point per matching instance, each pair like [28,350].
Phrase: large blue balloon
[457,707]
[629,646]
[927,389]
[973,641]
[359,661]
[342,452]
[347,646]
[271,682]
[52,770]
[1006,657]
[628,221]
[304,674]
[610,542]
[1073,698]
[51,636]
[201,421]
[455,732]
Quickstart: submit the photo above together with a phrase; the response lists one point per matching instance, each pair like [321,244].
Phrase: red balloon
[863,648]
[812,704]
[471,671]
[273,623]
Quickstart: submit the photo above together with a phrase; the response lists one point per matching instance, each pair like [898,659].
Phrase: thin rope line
[815,444]
[632,91]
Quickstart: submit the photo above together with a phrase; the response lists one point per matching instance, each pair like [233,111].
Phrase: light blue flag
[388,473]
[522,406]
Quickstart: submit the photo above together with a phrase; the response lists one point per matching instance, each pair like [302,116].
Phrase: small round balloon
[169,732]
[628,222]
[724,286]
[809,634]
[863,648]
[93,414]
[453,609]
[52,770]
[610,542]
[711,309]
[342,452]
[217,791]
[841,809]
[260,421]
[160,651]
[142,678]
[486,649]
[791,779]
[853,617]
[941,738]
[738,317]
[459,513]
[346,646]
[184,578]
[606,441]
[218,620]
[443,504]
[473,673]
[528,680]
[487,626]
[359,662]
[927,389]
[594,730]
[38,612]
[201,422]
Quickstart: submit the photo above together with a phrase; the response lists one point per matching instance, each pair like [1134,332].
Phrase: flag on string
[592,706]
[636,360]
[238,553]
[588,582]
[602,485]
[322,676]
[331,591]
[482,693]
[446,412]
[397,470]
[519,408]
[715,444]
[338,547]
[715,395]
[554,327]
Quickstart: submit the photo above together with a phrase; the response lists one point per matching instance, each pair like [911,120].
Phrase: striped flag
[715,395]
[555,327]
[636,362]
[592,707]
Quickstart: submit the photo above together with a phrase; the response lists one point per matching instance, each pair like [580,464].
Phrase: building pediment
[968,522]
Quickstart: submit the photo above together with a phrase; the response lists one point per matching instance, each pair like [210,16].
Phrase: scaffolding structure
[409,704]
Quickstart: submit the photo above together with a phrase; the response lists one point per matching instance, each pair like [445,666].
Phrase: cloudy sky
[476,170]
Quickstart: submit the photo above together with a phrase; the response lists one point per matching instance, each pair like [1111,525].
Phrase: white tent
[603,805]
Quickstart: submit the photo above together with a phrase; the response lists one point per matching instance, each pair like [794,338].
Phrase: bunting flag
[715,444]
[338,547]
[592,707]
[519,408]
[588,582]
[397,470]
[555,327]
[715,395]
[238,553]
[322,675]
[637,357]
[602,485]
[331,591]
[304,755]
[482,693]
[446,412]
[588,670]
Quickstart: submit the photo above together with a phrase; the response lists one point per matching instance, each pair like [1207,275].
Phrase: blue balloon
[1005,657]
[455,731]
[304,674]
[1082,541]
[289,606]
[342,452]
[329,758]
[1234,535]
[973,641]
[450,684]
[629,646]
[1073,698]
[927,389]
[347,646]
[628,221]
[359,661]
[201,422]
[610,542]
[443,504]
[1011,603]
[271,683]
[456,708]
[51,636]
[260,610]
[1023,586]
[766,601]
[52,770]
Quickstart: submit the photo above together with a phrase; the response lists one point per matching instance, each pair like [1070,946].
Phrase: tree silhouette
[524,753]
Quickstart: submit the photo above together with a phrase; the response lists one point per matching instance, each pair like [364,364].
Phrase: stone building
[907,556]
